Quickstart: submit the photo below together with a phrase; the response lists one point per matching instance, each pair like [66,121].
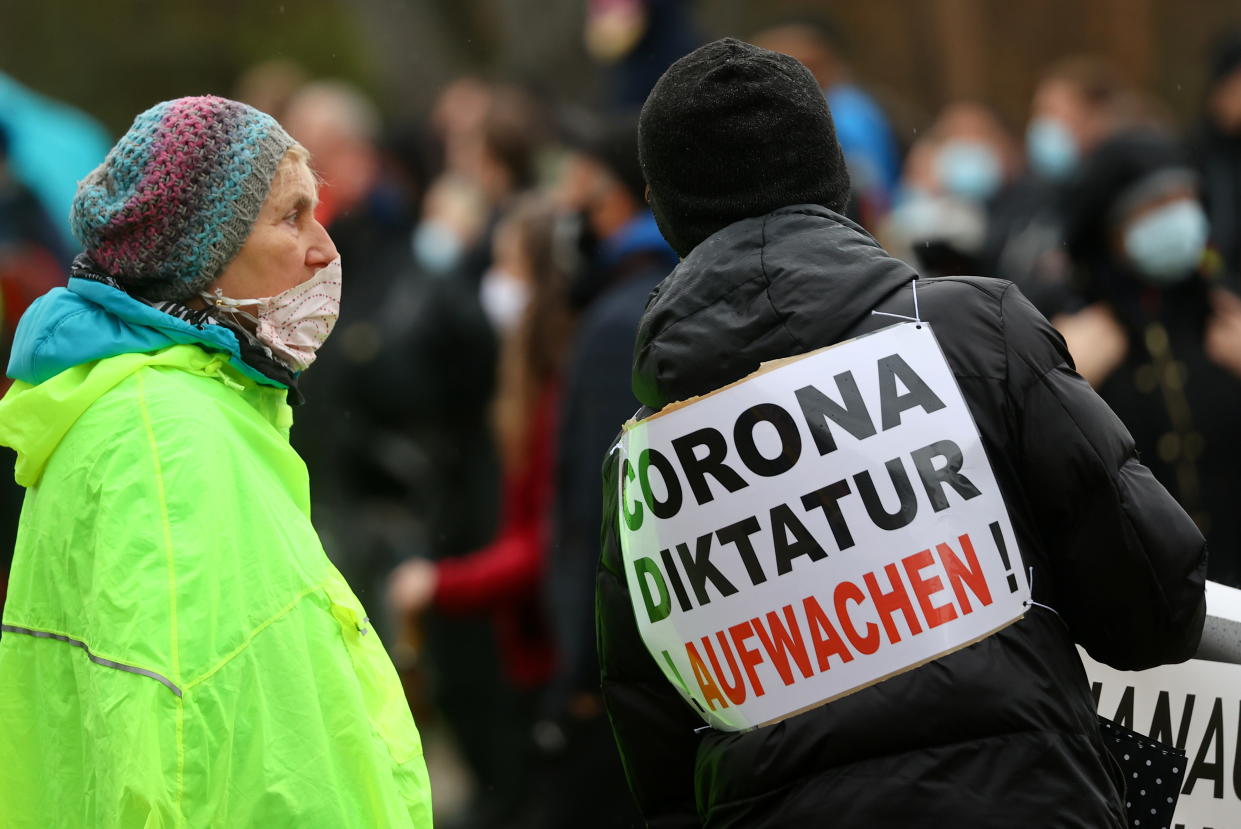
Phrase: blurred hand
[1223,341]
[1096,341]
[411,587]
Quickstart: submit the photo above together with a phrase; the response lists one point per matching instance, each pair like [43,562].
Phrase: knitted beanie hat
[176,197]
[732,131]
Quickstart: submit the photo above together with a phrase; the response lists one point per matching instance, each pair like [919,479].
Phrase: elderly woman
[177,650]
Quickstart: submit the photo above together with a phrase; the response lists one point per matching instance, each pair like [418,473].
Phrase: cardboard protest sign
[823,524]
[1195,706]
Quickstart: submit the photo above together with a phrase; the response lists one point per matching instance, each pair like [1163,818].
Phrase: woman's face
[286,246]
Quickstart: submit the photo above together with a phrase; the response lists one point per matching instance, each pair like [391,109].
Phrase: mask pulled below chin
[296,322]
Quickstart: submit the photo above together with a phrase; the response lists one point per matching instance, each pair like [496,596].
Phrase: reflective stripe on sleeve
[98,660]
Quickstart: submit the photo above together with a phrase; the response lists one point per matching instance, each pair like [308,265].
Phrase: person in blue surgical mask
[1160,337]
[955,176]
[1078,103]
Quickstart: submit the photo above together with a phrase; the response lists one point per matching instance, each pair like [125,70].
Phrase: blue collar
[91,320]
[639,234]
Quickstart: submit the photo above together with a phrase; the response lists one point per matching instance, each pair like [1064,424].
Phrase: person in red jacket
[524,296]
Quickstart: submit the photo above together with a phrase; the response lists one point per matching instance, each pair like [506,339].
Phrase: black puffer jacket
[1000,734]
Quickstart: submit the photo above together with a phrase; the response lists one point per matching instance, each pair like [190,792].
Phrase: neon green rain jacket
[177,649]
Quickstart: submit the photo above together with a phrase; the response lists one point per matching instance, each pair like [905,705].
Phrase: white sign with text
[828,522]
[1195,706]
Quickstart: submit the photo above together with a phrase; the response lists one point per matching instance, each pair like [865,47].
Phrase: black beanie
[732,131]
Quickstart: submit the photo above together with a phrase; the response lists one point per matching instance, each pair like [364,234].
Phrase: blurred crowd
[498,258]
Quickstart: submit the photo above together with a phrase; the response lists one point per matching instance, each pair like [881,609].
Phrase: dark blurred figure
[956,175]
[861,126]
[1160,339]
[30,265]
[635,41]
[623,260]
[361,495]
[492,136]
[1218,151]
[1077,104]
[395,427]
[501,579]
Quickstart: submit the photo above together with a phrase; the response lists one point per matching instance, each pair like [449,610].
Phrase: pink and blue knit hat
[176,197]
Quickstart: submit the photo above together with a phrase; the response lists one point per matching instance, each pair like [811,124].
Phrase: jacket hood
[755,291]
[76,343]
[89,320]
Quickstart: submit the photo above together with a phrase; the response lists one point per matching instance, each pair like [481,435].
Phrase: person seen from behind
[178,650]
[1000,733]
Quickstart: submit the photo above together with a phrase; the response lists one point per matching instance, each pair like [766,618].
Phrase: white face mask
[504,298]
[294,323]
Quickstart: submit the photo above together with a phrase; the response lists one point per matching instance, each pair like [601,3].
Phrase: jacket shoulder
[986,327]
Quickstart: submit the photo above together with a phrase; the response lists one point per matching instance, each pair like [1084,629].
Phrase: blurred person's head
[452,219]
[523,269]
[1224,86]
[1077,104]
[460,107]
[601,178]
[340,127]
[406,162]
[732,131]
[524,296]
[974,154]
[207,197]
[613,28]
[499,155]
[938,223]
[506,286]
[1135,207]
[269,85]
[812,41]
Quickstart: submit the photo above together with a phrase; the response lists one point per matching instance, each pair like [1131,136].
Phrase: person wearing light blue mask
[1052,149]
[1078,103]
[1165,245]
[956,175]
[1160,337]
[969,170]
